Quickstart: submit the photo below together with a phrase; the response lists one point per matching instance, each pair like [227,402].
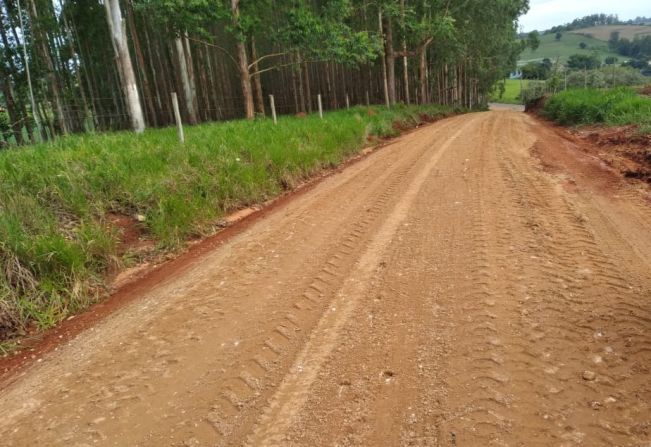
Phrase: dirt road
[478,282]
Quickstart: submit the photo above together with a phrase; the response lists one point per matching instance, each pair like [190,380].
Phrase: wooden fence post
[177,116]
[347,102]
[273,108]
[320,105]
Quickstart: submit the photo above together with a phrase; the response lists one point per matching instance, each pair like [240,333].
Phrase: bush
[583,61]
[5,125]
[610,76]
[617,106]
[533,91]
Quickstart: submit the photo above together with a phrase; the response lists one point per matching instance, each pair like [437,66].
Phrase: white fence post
[320,106]
[273,108]
[177,116]
[347,102]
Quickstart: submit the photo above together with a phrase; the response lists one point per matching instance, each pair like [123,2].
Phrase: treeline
[597,20]
[638,49]
[71,66]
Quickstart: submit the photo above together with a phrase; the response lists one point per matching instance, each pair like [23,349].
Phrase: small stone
[595,405]
[589,375]
[140,217]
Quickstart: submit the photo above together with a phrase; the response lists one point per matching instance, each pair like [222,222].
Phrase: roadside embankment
[76,212]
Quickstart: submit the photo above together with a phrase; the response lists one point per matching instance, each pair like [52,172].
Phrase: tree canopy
[224,57]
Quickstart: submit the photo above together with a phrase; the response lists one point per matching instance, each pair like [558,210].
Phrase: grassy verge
[57,237]
[512,89]
[613,107]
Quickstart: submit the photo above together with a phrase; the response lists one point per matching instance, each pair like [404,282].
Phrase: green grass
[512,88]
[613,107]
[57,242]
[562,49]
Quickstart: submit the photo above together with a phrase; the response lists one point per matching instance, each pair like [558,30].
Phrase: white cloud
[544,14]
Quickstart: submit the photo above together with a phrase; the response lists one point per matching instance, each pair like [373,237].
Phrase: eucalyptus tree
[222,56]
[123,61]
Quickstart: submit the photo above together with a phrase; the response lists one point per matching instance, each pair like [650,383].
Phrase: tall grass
[56,238]
[619,106]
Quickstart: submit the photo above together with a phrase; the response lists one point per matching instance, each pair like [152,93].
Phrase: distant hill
[625,31]
[566,46]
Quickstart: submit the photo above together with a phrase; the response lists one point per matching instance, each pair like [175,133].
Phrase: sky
[543,14]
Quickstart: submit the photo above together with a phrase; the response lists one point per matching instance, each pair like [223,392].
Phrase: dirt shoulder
[621,148]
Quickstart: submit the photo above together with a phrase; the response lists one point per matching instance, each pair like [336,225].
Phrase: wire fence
[100,114]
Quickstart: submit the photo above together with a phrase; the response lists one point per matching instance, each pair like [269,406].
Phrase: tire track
[293,392]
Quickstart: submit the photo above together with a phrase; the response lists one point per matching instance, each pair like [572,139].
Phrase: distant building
[517,74]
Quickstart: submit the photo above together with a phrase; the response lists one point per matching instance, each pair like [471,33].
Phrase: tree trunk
[185,81]
[405,63]
[390,60]
[257,81]
[123,60]
[16,121]
[422,69]
[190,66]
[53,82]
[294,86]
[308,88]
[301,81]
[385,82]
[140,64]
[242,63]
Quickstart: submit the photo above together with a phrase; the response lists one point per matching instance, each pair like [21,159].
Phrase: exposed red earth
[484,280]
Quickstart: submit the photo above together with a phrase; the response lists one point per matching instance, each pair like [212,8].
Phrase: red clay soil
[127,286]
[622,148]
[444,291]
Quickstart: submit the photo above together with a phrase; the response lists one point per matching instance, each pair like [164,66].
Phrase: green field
[565,47]
[58,200]
[512,88]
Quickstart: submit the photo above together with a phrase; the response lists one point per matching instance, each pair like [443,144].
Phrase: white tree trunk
[185,80]
[123,59]
[191,76]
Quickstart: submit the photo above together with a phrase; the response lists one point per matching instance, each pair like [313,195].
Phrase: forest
[75,66]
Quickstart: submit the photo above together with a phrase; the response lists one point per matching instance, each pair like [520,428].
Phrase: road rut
[476,282]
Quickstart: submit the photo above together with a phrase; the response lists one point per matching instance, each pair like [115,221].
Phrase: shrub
[617,106]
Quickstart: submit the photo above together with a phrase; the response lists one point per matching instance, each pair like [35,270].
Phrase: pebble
[589,375]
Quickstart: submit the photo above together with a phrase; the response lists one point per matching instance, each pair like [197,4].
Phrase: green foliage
[558,35]
[181,15]
[586,22]
[613,107]
[533,90]
[508,91]
[583,62]
[56,238]
[324,34]
[533,40]
[609,76]
[5,124]
[536,70]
